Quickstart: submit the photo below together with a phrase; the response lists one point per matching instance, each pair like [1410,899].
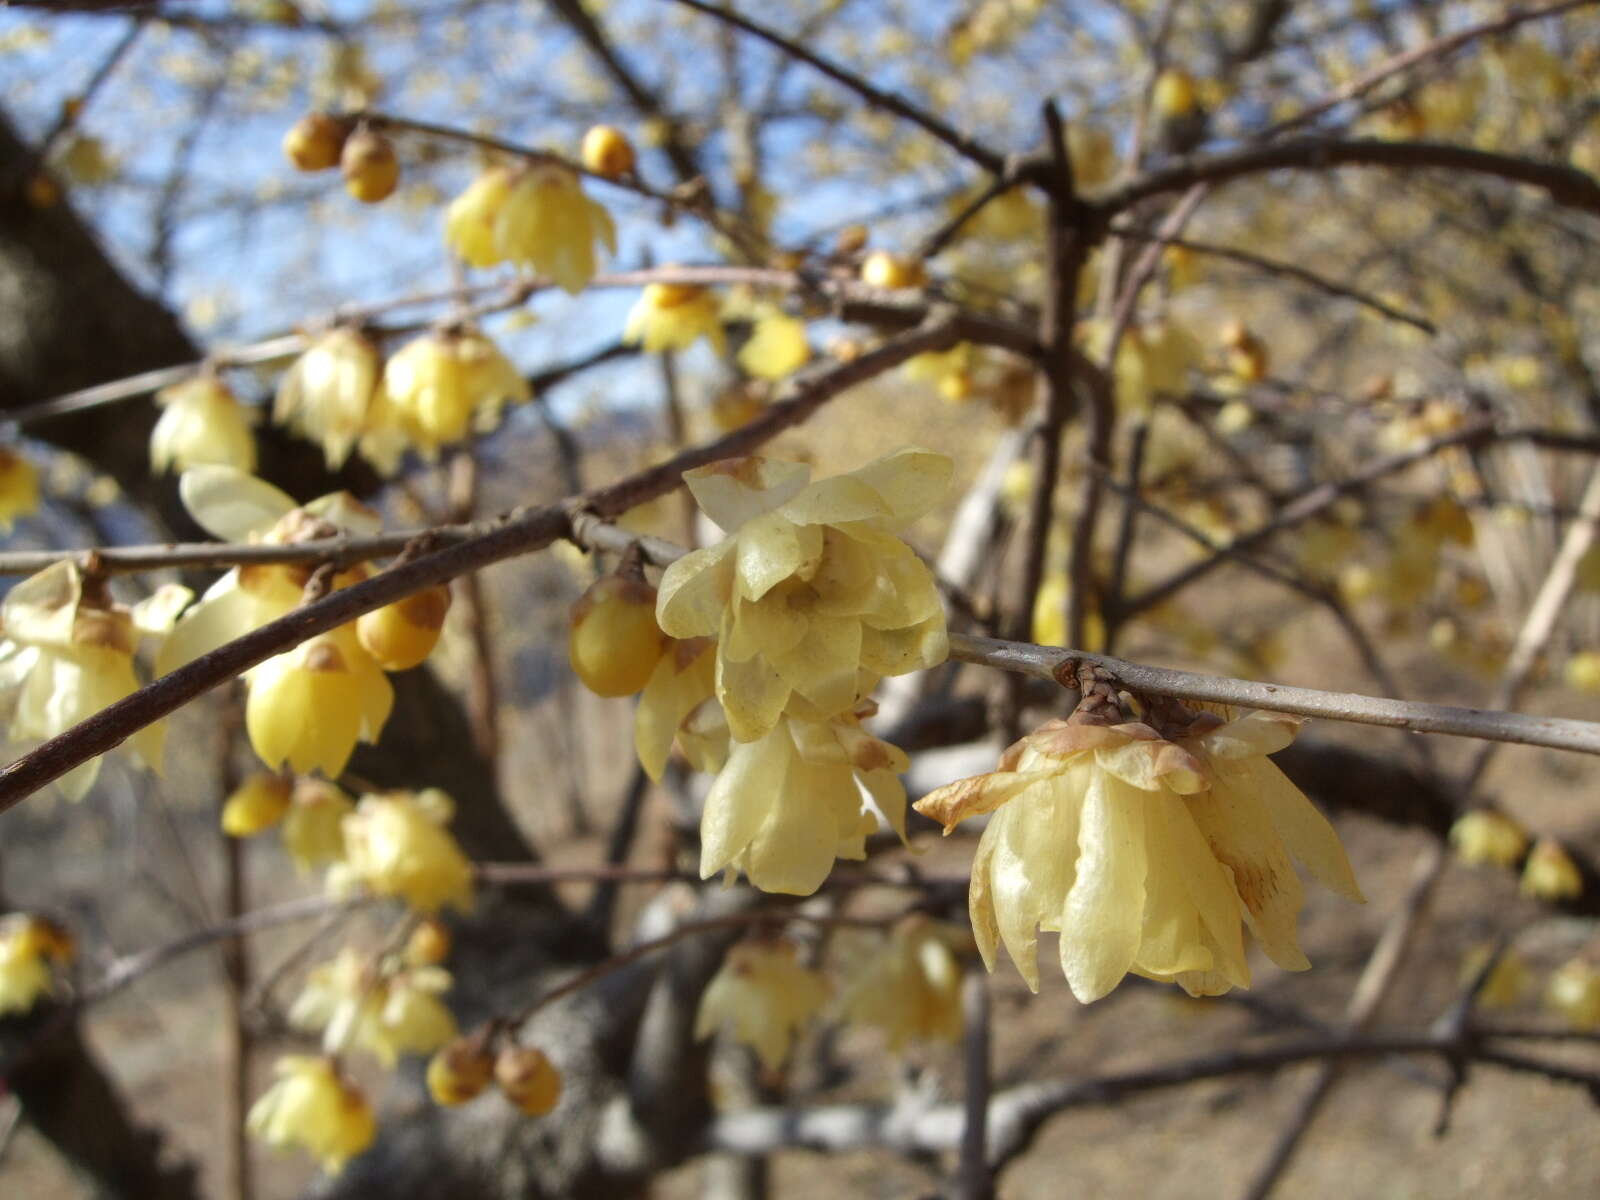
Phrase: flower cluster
[386,1008]
[397,844]
[1144,852]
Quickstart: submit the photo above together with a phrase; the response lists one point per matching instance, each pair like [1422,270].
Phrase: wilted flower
[313,1106]
[911,987]
[28,947]
[356,1003]
[785,806]
[397,845]
[777,345]
[327,394]
[67,653]
[256,805]
[443,384]
[1486,836]
[1550,873]
[1574,992]
[1144,854]
[673,316]
[536,216]
[761,997]
[201,422]
[313,828]
[19,487]
[812,586]
[309,707]
[528,1079]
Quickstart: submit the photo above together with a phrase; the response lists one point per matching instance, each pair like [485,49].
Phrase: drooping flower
[68,652]
[536,216]
[1550,873]
[446,383]
[327,394]
[785,806]
[1487,836]
[309,706]
[256,805]
[762,997]
[19,487]
[313,828]
[777,345]
[673,316]
[202,422]
[311,1105]
[1144,854]
[811,587]
[397,845]
[29,946]
[1574,991]
[911,987]
[357,1003]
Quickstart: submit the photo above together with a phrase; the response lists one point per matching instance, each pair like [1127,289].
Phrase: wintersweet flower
[1487,836]
[446,383]
[536,216]
[313,1106]
[353,1002]
[1550,873]
[327,394]
[761,997]
[313,828]
[201,422]
[673,316]
[911,988]
[811,587]
[777,345]
[68,652]
[310,706]
[1574,992]
[1144,854]
[256,805]
[19,487]
[397,845]
[236,507]
[785,806]
[29,945]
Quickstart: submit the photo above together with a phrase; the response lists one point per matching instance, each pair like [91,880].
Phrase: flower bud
[884,270]
[613,640]
[315,141]
[460,1071]
[1486,836]
[607,151]
[1175,94]
[401,635]
[428,944]
[528,1079]
[1550,873]
[371,170]
[258,804]
[19,487]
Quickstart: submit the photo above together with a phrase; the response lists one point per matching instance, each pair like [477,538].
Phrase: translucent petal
[42,609]
[980,900]
[694,590]
[1170,941]
[753,695]
[683,678]
[910,481]
[831,501]
[1104,914]
[1255,733]
[221,616]
[768,626]
[157,612]
[822,665]
[770,550]
[1211,890]
[231,505]
[735,490]
[1305,831]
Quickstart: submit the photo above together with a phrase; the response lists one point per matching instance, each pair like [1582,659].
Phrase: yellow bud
[607,151]
[401,635]
[528,1079]
[613,640]
[371,169]
[258,804]
[428,944]
[1550,873]
[1574,992]
[19,487]
[884,270]
[315,142]
[460,1071]
[1486,836]
[1175,94]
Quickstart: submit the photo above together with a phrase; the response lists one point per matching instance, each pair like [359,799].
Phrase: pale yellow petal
[909,481]
[229,504]
[694,591]
[753,695]
[1104,914]
[1305,831]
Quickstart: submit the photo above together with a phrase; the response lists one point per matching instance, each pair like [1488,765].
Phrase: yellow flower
[397,845]
[389,1013]
[459,1071]
[313,828]
[1582,671]
[256,805]
[28,947]
[673,316]
[785,806]
[535,216]
[777,345]
[613,641]
[1574,992]
[370,166]
[1550,873]
[528,1079]
[761,997]
[911,988]
[443,384]
[313,1106]
[1144,854]
[237,507]
[607,151]
[19,487]
[202,422]
[1487,836]
[309,706]
[881,269]
[949,371]
[327,394]
[68,653]
[1153,360]
[683,680]
[1050,616]
[811,587]
[1175,93]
